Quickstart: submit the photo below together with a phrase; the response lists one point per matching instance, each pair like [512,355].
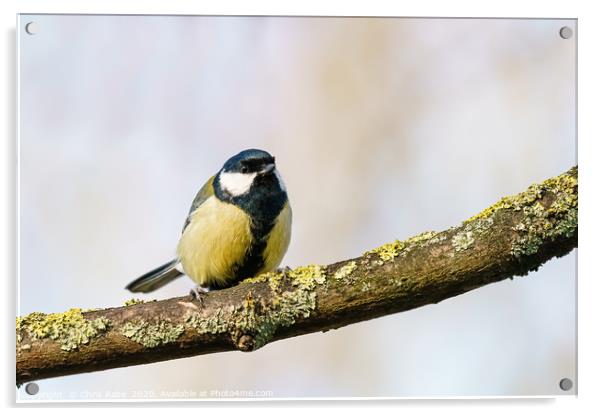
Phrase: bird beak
[267,169]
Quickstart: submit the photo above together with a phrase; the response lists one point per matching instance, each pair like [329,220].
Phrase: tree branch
[513,237]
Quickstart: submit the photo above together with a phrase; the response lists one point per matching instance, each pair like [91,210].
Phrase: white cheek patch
[280,181]
[236,183]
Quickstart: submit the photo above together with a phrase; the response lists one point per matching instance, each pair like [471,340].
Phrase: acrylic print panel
[382,128]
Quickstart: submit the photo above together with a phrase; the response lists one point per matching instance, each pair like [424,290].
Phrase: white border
[589,146]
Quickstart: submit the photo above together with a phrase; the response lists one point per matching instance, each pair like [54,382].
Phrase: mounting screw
[566,384]
[31,28]
[32,389]
[566,32]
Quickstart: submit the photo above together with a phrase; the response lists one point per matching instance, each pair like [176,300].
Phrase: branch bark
[510,238]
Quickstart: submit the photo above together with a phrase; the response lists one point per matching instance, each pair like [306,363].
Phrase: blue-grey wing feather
[201,196]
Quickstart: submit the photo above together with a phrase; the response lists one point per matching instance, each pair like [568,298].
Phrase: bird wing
[201,196]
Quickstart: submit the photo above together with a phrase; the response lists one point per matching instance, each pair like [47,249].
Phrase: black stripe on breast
[263,203]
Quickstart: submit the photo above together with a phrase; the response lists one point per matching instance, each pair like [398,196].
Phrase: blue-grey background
[382,128]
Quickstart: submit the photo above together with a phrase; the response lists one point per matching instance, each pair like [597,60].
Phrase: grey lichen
[284,311]
[70,329]
[479,226]
[462,240]
[152,334]
[214,324]
[466,236]
[261,319]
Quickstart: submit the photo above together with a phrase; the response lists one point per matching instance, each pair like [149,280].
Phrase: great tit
[239,225]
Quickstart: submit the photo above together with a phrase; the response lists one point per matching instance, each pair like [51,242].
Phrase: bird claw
[199,293]
[284,270]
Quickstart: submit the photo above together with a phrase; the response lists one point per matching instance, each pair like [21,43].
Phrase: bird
[239,226]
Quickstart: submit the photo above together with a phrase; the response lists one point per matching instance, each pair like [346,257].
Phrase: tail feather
[156,278]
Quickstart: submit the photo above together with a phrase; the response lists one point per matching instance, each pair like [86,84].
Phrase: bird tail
[156,278]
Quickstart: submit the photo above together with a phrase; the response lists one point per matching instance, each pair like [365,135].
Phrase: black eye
[244,169]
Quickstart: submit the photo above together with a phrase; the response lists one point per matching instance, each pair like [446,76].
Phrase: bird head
[247,168]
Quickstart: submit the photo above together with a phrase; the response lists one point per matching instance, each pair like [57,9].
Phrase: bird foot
[284,270]
[199,293]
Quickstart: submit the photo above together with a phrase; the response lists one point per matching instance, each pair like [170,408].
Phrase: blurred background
[382,128]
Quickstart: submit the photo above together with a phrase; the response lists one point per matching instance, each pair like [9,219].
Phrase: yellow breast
[278,240]
[217,238]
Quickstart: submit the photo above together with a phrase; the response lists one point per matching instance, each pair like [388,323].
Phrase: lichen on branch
[256,320]
[69,329]
[515,235]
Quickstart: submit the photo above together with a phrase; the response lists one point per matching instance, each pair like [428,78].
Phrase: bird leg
[284,270]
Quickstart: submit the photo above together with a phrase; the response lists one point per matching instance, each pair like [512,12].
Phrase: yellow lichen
[70,329]
[345,270]
[306,277]
[273,279]
[504,203]
[133,301]
[565,183]
[389,251]
[538,223]
[263,277]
